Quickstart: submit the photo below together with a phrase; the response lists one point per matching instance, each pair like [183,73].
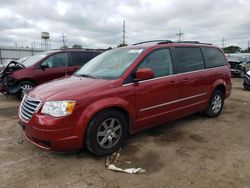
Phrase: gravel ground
[191,152]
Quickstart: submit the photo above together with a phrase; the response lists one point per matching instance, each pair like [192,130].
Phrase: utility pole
[123,33]
[179,35]
[223,43]
[32,47]
[63,39]
[248,44]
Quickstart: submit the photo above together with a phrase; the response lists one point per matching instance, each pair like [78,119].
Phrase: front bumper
[9,85]
[236,71]
[49,138]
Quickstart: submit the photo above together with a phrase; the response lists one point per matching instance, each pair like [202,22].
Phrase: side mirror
[44,66]
[144,74]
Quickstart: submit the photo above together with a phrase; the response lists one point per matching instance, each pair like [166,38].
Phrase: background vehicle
[246,82]
[17,77]
[246,65]
[123,91]
[236,68]
[21,60]
[239,65]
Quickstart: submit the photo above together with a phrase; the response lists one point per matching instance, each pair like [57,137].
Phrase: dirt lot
[191,152]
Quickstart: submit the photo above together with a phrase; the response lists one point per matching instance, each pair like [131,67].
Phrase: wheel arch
[97,107]
[28,80]
[222,88]
[220,85]
[120,109]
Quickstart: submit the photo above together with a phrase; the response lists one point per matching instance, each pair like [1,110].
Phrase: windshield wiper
[86,76]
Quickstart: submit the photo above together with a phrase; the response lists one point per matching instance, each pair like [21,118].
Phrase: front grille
[28,107]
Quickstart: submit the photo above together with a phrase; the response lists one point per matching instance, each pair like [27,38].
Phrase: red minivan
[123,91]
[17,76]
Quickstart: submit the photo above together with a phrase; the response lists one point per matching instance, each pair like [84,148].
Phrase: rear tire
[106,132]
[216,104]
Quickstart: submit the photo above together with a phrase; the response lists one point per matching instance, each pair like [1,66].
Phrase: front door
[157,98]
[57,67]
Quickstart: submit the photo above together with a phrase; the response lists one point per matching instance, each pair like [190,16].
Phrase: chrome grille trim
[28,107]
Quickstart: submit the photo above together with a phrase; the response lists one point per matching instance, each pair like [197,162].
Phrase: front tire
[216,104]
[24,85]
[246,87]
[106,132]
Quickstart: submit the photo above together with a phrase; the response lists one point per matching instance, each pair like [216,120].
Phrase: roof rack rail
[155,41]
[193,42]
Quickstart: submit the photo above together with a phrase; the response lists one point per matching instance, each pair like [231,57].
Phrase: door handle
[185,80]
[172,82]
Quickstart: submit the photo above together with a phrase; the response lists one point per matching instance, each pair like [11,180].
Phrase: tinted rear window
[80,58]
[214,57]
[189,59]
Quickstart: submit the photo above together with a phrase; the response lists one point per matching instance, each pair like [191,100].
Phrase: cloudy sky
[98,23]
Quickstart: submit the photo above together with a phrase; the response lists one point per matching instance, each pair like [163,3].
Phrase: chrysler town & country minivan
[123,91]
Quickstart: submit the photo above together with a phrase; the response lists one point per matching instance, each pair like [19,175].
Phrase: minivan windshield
[110,64]
[32,60]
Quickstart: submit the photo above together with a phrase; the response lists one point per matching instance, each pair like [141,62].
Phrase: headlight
[58,108]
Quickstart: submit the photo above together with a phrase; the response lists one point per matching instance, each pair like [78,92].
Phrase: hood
[11,67]
[71,88]
[235,62]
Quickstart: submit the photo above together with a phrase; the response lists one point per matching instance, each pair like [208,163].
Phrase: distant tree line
[235,49]
[229,49]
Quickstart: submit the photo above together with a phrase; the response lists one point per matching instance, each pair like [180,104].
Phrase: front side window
[159,62]
[57,60]
[189,59]
[214,57]
[110,64]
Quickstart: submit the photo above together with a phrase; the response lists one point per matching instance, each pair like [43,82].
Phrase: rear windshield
[215,57]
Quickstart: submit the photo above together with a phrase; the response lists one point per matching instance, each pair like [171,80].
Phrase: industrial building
[14,53]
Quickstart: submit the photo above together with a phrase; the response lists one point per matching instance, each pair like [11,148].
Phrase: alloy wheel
[24,88]
[216,103]
[109,133]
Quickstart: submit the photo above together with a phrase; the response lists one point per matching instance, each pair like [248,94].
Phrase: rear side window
[80,58]
[159,62]
[214,57]
[189,59]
